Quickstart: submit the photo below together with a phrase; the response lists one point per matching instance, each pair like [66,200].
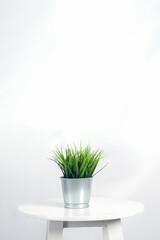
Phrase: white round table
[102,212]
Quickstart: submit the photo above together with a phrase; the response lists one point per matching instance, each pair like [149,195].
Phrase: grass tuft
[77,162]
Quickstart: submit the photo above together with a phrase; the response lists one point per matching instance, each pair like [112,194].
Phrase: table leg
[113,230]
[54,230]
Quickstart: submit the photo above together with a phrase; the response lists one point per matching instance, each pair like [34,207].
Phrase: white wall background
[72,70]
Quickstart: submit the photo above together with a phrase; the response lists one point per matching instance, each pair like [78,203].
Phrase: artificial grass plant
[77,162]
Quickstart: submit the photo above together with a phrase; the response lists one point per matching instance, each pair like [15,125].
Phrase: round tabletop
[99,209]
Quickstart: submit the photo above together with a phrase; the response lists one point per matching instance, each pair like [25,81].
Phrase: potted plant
[78,168]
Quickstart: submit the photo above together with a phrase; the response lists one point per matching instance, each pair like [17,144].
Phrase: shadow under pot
[76,192]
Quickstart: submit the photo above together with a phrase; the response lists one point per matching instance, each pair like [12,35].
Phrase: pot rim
[75,179]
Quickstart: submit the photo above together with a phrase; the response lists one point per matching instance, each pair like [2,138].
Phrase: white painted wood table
[102,212]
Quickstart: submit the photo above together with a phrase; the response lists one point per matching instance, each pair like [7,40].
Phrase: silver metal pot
[76,192]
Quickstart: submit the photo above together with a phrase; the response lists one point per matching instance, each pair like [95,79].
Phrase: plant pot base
[76,205]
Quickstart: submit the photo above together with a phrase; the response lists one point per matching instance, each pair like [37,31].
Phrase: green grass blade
[101,169]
